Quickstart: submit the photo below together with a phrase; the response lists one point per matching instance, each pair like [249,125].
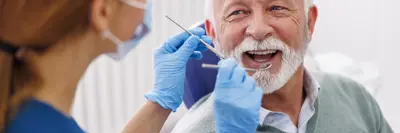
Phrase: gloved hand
[237,100]
[170,67]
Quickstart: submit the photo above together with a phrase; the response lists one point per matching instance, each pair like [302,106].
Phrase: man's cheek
[289,36]
[232,41]
[226,44]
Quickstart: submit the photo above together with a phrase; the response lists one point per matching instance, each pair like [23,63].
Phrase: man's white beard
[291,60]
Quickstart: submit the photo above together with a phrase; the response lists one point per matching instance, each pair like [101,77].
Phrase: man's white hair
[209,9]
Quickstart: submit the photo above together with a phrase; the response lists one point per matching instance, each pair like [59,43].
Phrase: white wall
[388,46]
[366,30]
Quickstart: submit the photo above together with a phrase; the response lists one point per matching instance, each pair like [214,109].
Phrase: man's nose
[259,28]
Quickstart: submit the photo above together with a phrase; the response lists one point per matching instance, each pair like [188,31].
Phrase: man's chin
[266,81]
[275,78]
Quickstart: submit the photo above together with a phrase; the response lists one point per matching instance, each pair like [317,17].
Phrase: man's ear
[312,19]
[209,29]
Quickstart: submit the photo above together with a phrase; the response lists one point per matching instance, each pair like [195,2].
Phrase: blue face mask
[123,48]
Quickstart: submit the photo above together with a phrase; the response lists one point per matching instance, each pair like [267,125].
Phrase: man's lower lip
[261,58]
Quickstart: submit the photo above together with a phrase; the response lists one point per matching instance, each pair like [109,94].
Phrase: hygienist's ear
[100,15]
[312,19]
[209,29]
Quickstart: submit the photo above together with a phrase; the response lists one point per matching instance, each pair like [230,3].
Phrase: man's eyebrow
[289,2]
[228,3]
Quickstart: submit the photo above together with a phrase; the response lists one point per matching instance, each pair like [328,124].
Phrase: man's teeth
[260,60]
[262,52]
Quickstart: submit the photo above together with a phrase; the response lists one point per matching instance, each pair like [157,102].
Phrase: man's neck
[289,98]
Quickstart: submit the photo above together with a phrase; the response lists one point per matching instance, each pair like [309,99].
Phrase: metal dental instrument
[215,51]
[208,46]
[264,66]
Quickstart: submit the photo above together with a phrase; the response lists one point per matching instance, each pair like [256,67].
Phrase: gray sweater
[342,106]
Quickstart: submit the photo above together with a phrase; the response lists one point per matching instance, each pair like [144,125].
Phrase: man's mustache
[251,45]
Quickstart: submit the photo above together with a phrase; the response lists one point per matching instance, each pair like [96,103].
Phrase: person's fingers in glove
[250,82]
[237,100]
[203,47]
[188,47]
[170,67]
[239,74]
[254,91]
[196,55]
[175,42]
[226,68]
[200,48]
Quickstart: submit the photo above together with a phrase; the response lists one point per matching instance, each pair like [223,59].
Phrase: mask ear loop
[135,3]
[108,35]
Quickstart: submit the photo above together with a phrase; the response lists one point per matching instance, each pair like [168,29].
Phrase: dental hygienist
[46,46]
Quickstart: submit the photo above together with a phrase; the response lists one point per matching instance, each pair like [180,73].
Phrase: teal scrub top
[35,116]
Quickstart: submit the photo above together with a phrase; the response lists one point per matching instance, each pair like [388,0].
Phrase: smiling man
[255,32]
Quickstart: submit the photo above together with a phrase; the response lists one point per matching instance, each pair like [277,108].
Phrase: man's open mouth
[255,58]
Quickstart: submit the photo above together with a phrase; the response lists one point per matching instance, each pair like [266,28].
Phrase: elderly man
[278,31]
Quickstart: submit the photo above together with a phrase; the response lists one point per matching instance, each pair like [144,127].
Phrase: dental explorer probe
[264,66]
[208,46]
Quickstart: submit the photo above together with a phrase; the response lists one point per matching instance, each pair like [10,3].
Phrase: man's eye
[237,15]
[277,8]
[237,12]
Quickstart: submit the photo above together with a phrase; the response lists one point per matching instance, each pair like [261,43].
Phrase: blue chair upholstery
[199,81]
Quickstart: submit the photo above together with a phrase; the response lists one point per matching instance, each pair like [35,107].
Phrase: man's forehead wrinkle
[290,2]
[228,3]
[299,3]
[220,6]
[225,3]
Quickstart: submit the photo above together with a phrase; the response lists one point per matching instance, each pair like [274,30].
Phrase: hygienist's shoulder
[35,116]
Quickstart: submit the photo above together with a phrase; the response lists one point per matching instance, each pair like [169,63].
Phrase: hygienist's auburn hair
[33,24]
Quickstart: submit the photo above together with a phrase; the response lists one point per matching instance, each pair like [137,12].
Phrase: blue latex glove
[237,100]
[170,67]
